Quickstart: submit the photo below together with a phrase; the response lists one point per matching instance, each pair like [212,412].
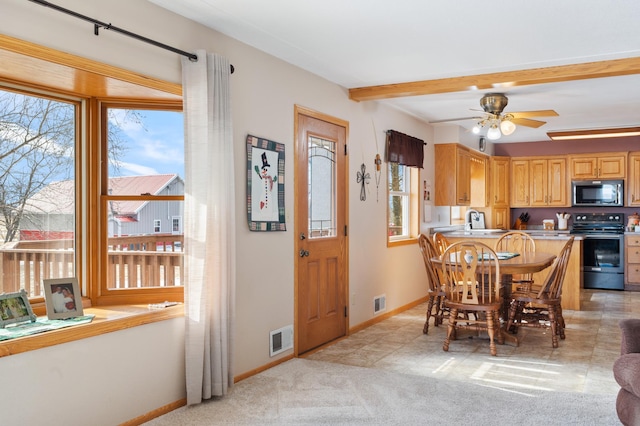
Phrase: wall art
[265,185]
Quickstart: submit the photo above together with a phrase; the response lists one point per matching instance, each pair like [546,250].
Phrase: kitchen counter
[535,233]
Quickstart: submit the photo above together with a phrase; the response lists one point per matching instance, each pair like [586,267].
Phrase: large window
[64,212]
[38,140]
[403,206]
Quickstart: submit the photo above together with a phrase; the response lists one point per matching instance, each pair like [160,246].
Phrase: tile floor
[582,362]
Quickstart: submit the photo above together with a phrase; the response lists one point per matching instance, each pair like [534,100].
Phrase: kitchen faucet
[467,218]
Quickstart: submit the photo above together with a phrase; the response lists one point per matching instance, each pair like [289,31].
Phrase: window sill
[404,242]
[107,319]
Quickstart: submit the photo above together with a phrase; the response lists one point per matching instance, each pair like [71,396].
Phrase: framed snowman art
[265,185]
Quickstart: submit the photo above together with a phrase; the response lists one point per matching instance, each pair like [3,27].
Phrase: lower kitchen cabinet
[632,262]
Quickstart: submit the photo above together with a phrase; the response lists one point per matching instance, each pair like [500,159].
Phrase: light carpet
[305,392]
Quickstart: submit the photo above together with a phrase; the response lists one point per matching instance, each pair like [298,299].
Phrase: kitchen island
[548,242]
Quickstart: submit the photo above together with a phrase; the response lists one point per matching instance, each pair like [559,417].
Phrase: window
[403,206]
[142,180]
[38,139]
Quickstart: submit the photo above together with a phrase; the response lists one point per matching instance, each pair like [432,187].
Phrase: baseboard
[386,315]
[155,413]
[255,371]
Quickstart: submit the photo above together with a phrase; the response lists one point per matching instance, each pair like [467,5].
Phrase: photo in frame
[265,185]
[63,298]
[15,308]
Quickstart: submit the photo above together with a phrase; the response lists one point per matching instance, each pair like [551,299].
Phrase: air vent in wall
[379,303]
[280,340]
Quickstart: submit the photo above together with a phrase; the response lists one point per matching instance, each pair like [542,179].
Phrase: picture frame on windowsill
[15,308]
[62,298]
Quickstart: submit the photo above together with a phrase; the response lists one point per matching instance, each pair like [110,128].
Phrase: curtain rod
[97,25]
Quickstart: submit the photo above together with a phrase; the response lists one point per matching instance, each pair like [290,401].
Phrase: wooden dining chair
[521,243]
[440,242]
[434,286]
[543,308]
[471,278]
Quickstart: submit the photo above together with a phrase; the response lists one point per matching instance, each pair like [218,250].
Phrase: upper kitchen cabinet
[539,182]
[453,175]
[633,182]
[598,166]
[499,211]
[520,192]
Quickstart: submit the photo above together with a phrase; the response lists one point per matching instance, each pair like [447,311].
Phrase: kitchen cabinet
[519,183]
[598,166]
[499,208]
[549,182]
[632,262]
[453,176]
[539,182]
[633,181]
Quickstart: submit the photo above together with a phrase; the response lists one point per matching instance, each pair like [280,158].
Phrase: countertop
[537,234]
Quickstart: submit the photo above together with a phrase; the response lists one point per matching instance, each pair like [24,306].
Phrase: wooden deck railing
[133,262]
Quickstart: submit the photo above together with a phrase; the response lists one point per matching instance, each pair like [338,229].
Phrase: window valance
[404,149]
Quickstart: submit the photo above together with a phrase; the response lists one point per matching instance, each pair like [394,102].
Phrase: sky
[155,146]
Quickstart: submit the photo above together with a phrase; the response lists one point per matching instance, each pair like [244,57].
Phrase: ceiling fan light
[507,127]
[493,133]
[476,129]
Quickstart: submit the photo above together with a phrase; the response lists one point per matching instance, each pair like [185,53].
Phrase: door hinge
[345,149]
[345,311]
[345,230]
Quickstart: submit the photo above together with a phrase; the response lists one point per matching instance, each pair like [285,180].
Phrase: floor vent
[379,303]
[280,340]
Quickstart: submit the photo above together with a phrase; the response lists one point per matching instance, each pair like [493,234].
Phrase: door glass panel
[322,188]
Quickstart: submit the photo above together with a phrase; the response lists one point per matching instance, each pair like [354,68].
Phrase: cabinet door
[557,183]
[584,168]
[500,182]
[611,167]
[463,177]
[633,182]
[519,183]
[501,218]
[539,182]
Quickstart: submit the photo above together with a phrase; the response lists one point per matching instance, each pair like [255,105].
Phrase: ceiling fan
[500,124]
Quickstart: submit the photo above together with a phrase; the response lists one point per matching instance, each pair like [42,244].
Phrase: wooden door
[613,167]
[633,189]
[520,183]
[320,229]
[500,181]
[584,168]
[539,182]
[463,177]
[557,184]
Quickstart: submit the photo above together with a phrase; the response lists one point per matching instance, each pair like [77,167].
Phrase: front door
[320,229]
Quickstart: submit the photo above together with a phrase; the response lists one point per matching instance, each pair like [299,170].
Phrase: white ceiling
[359,43]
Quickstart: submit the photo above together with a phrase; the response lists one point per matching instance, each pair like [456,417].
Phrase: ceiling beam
[500,80]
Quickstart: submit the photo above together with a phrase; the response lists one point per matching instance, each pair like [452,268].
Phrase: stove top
[598,223]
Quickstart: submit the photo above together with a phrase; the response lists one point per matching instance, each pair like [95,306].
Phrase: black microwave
[597,193]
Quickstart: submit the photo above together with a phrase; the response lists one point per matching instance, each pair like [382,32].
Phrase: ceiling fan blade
[528,122]
[455,119]
[539,113]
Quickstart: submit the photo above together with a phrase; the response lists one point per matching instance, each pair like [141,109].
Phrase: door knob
[304,253]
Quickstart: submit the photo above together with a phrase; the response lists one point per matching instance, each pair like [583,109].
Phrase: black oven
[602,249]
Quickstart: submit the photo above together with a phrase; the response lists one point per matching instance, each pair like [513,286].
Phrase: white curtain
[209,227]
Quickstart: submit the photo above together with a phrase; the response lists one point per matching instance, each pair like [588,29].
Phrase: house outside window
[156,225]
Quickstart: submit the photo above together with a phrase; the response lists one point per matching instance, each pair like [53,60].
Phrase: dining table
[514,264]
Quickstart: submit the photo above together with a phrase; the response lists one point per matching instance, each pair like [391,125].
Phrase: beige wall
[264,92]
